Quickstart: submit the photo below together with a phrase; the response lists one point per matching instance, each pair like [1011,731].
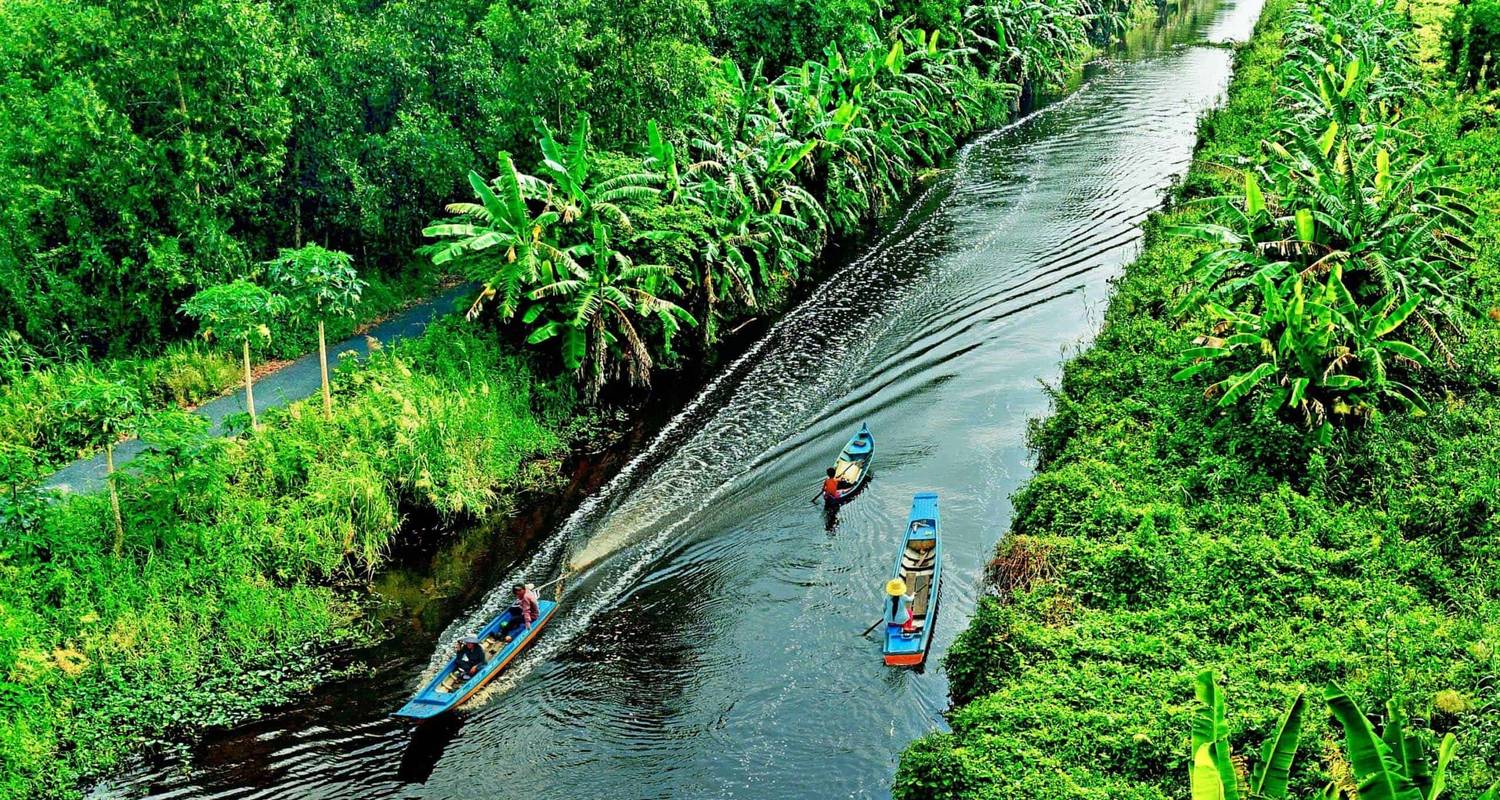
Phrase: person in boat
[901,605]
[834,486]
[523,612]
[470,656]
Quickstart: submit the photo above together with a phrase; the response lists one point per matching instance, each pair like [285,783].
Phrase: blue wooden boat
[914,586]
[449,689]
[853,464]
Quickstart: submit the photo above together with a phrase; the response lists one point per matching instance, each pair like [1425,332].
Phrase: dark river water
[710,647]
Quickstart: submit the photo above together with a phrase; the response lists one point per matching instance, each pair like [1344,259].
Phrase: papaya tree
[319,284]
[236,312]
[112,408]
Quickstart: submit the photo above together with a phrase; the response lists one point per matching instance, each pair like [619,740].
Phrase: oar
[872,627]
[558,580]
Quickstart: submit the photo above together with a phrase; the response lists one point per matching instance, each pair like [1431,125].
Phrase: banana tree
[1214,775]
[1342,235]
[501,240]
[1379,772]
[604,308]
[1324,352]
[661,161]
[1397,764]
[573,195]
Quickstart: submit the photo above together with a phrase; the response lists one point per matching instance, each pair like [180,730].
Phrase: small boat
[853,464]
[914,586]
[449,689]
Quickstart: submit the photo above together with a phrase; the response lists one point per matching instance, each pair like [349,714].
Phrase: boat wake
[779,394]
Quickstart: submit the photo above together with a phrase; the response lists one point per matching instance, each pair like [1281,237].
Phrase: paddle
[872,627]
[840,474]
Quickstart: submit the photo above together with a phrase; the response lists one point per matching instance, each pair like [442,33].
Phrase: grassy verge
[1161,536]
[237,553]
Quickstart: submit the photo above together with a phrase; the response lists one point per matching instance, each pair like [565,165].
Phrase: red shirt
[831,487]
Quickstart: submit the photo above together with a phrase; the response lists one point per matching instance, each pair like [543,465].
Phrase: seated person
[470,656]
[523,612]
[833,487]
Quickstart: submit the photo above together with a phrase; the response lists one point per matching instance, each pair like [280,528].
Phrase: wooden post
[249,388]
[323,365]
[114,496]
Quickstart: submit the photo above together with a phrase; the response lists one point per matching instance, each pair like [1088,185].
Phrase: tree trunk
[249,389]
[114,496]
[323,365]
[297,196]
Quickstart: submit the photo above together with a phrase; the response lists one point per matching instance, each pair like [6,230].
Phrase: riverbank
[1163,535]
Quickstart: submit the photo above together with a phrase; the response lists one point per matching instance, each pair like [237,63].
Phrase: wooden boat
[449,689]
[853,464]
[914,584]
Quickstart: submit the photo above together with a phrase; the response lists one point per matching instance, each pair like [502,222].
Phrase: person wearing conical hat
[470,656]
[900,614]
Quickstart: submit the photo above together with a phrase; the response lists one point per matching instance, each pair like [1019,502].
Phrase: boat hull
[853,464]
[432,701]
[919,567]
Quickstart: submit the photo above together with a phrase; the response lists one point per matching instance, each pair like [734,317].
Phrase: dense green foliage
[151,149]
[1163,535]
[687,189]
[1473,35]
[1347,245]
[723,211]
[154,148]
[231,550]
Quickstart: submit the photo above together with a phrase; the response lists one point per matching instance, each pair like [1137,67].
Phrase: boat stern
[902,650]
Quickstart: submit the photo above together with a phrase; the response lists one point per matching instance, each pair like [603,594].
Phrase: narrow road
[287,385]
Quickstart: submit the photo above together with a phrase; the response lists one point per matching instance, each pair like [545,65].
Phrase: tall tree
[113,408]
[319,284]
[140,139]
[236,312]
